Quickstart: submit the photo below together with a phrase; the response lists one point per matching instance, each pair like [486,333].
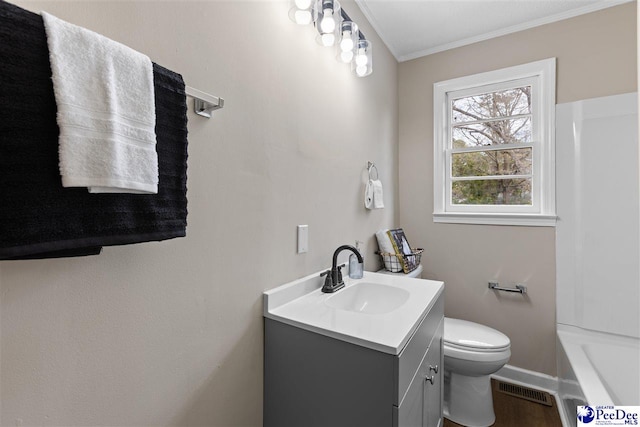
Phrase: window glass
[505,103]
[495,132]
[491,163]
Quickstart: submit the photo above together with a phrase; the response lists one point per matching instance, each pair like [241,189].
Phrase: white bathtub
[596,368]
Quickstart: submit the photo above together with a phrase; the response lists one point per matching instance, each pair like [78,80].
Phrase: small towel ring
[370,167]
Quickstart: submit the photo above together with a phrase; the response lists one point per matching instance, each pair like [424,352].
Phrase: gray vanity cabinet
[312,380]
[434,387]
[422,404]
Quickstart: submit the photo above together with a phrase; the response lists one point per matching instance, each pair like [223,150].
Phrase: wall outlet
[303,239]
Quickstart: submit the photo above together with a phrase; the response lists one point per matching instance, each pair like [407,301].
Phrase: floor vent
[527,393]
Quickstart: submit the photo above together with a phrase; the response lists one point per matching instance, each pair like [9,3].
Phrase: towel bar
[521,289]
[203,103]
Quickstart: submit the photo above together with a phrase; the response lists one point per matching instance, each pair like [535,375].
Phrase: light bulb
[328,24]
[347,43]
[362,59]
[303,4]
[302,17]
[346,57]
[328,39]
[361,70]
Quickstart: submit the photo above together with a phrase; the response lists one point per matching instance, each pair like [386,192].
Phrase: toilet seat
[472,355]
[473,337]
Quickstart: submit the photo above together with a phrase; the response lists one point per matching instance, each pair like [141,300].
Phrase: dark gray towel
[40,218]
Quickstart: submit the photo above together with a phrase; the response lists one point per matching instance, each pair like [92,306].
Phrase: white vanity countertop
[301,303]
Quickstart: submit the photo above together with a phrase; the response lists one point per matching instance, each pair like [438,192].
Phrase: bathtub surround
[596,56]
[597,243]
[597,253]
[171,333]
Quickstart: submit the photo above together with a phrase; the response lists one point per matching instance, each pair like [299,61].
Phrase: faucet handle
[328,281]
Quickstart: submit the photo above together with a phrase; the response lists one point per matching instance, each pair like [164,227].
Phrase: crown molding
[490,35]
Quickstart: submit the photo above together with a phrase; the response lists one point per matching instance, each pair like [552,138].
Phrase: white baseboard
[524,377]
[532,379]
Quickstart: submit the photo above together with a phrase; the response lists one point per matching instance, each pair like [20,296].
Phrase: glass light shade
[348,36]
[300,11]
[362,64]
[346,57]
[327,20]
[328,39]
[302,17]
[303,4]
[346,44]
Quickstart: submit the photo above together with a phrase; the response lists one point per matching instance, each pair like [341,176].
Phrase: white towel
[106,111]
[377,194]
[368,195]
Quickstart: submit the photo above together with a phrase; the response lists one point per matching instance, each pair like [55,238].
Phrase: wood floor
[514,411]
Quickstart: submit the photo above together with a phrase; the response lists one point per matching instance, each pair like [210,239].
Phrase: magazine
[402,249]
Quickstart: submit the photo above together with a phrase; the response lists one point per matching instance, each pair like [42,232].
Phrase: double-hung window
[494,147]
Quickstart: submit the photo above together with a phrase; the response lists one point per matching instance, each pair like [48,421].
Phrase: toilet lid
[464,334]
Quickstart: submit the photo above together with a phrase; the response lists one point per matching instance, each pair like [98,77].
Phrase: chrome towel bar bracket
[203,103]
[521,289]
[370,168]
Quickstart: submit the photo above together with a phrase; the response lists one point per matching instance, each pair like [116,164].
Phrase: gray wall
[596,56]
[171,333]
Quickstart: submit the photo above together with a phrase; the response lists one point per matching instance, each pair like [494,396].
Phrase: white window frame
[541,76]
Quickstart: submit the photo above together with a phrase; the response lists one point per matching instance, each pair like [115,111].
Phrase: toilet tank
[416,274]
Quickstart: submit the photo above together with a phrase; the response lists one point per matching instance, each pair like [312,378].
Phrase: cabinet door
[433,383]
[411,411]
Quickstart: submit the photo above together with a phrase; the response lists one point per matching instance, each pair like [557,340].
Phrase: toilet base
[468,400]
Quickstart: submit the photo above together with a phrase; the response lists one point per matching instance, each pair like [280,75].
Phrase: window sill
[529,220]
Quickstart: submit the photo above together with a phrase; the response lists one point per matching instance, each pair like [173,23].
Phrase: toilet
[472,352]
[415,274]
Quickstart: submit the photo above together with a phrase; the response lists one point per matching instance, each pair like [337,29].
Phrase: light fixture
[349,36]
[362,64]
[335,28]
[301,11]
[328,18]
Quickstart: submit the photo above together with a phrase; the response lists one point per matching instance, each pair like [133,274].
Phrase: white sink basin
[379,311]
[371,298]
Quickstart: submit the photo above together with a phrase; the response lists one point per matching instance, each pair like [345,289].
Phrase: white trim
[536,380]
[525,377]
[495,219]
[542,76]
[513,146]
[492,119]
[489,177]
[376,26]
[564,417]
[594,7]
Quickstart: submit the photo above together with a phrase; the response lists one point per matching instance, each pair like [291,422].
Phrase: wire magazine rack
[405,263]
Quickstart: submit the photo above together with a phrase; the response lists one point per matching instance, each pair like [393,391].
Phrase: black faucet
[333,282]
